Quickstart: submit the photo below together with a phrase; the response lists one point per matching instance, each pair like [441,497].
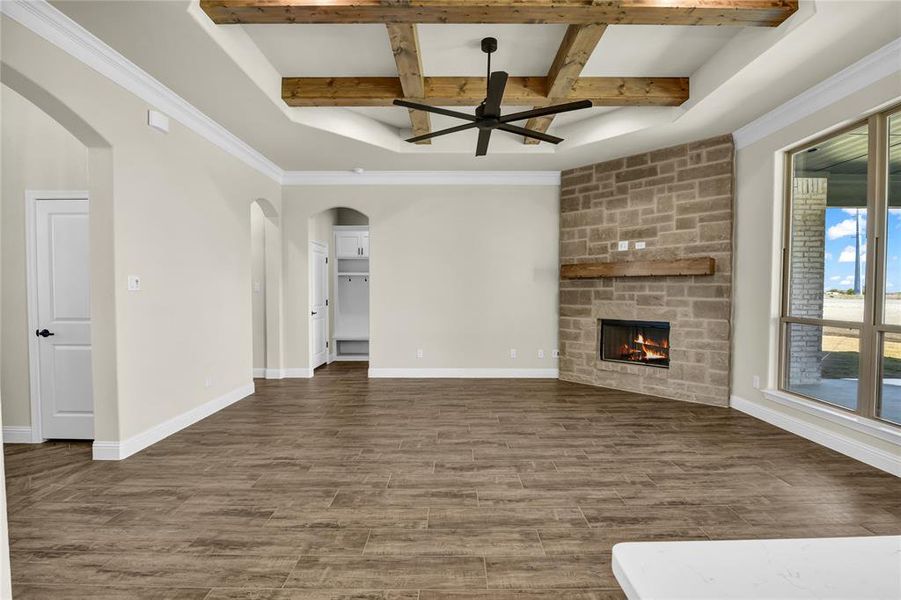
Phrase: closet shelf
[352,273]
[351,338]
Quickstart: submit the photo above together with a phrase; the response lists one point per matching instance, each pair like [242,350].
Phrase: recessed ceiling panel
[326,50]
[655,51]
[454,50]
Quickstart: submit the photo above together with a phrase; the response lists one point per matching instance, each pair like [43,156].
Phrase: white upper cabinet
[364,244]
[352,243]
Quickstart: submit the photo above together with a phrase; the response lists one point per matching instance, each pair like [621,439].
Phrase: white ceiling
[232,73]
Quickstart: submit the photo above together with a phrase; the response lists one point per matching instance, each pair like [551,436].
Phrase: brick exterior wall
[679,201]
[808,270]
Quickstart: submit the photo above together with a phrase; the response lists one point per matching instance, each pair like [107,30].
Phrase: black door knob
[44,333]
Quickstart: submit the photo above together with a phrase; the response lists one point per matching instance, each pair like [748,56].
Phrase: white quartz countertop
[857,568]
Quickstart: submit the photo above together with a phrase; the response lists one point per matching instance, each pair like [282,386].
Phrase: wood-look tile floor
[343,488]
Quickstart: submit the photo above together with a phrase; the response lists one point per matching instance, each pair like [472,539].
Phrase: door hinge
[326,301]
[326,260]
[326,344]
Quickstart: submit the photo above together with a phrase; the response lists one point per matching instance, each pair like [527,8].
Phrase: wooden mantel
[705,265]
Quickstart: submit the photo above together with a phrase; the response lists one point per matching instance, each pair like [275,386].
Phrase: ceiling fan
[488,114]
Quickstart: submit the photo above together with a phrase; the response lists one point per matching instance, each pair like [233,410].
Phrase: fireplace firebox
[634,342]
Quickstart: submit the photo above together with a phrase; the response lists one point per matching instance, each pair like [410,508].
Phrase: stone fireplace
[672,204]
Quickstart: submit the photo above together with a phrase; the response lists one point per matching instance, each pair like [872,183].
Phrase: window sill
[871,427]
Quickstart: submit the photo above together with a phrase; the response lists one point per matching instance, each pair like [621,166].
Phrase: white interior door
[318,304]
[63,288]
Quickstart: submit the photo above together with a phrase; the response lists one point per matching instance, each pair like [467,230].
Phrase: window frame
[873,328]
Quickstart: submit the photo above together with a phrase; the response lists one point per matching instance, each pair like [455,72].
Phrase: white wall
[258,283]
[759,223]
[38,154]
[464,272]
[179,211]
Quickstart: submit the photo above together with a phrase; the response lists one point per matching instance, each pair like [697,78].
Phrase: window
[841,316]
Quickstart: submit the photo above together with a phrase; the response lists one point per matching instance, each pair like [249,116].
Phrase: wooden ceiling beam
[469,91]
[575,50]
[763,13]
[405,47]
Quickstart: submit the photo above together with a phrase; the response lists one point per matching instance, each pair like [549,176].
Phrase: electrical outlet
[622,246]
[419,353]
[208,382]
[555,353]
[640,245]
[134,283]
[755,381]
[512,352]
[540,353]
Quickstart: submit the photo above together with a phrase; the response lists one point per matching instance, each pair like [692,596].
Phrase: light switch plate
[419,353]
[541,354]
[134,283]
[555,353]
[512,352]
[639,245]
[622,246]
[257,287]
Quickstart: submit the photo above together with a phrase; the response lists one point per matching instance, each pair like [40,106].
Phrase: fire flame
[648,349]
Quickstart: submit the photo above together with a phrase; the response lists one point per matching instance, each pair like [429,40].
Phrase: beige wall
[5,577]
[464,272]
[182,222]
[759,210]
[38,154]
[258,283]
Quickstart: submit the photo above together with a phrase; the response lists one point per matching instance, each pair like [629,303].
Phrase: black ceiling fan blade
[530,133]
[435,109]
[547,111]
[435,134]
[484,138]
[496,85]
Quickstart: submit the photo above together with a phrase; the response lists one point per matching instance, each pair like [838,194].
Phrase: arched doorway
[264,273]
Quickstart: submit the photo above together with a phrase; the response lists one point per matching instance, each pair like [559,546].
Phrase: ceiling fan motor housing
[489,45]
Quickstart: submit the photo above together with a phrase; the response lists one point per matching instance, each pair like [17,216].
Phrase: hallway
[342,487]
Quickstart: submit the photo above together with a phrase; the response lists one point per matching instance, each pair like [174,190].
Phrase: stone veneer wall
[679,201]
[808,267]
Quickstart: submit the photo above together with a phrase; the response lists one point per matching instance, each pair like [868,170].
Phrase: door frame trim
[31,291]
[324,248]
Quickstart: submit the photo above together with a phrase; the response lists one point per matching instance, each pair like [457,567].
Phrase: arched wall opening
[59,155]
[265,250]
[339,296]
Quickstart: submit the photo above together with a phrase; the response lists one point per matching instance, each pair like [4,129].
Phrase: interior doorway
[59,314]
[340,254]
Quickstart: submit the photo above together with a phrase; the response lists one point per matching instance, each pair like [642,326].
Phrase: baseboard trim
[121,450]
[15,434]
[866,453]
[259,373]
[465,373]
[301,373]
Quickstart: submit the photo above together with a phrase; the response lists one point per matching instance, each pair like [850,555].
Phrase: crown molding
[50,23]
[526,178]
[868,70]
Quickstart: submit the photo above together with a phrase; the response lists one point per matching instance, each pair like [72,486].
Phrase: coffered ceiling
[236,72]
